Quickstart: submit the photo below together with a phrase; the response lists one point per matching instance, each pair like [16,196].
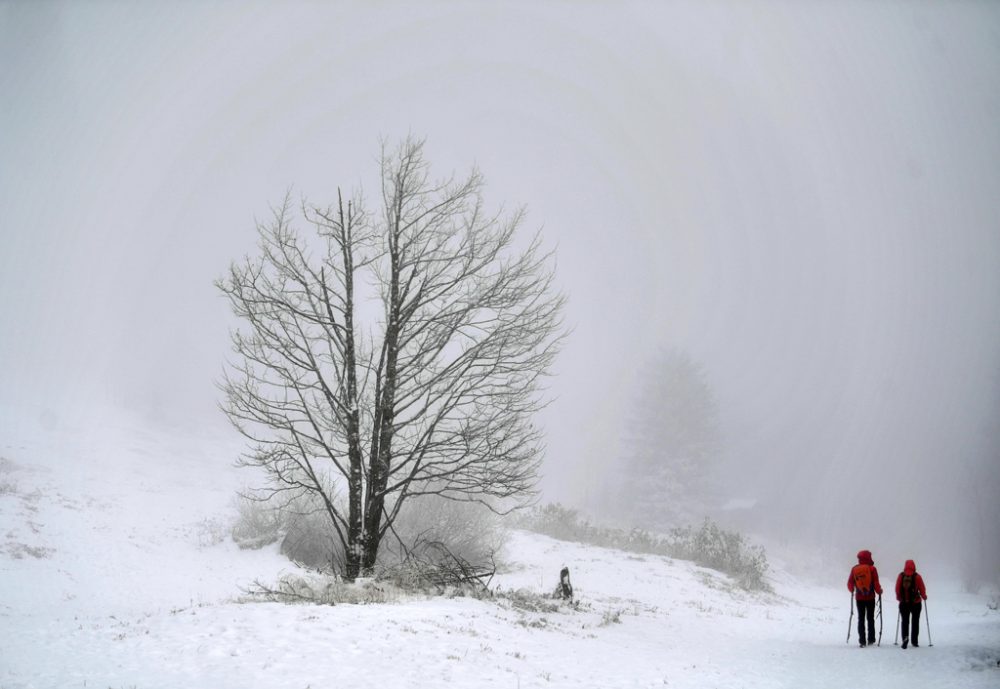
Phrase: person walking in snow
[910,593]
[864,584]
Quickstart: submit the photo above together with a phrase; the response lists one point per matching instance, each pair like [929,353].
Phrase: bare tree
[435,395]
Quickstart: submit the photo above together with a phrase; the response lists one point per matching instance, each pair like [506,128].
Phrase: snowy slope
[115,573]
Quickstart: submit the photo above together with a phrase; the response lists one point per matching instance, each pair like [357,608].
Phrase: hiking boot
[915,644]
[905,641]
[862,643]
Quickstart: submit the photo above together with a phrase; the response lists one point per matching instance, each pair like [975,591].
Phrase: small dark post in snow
[565,588]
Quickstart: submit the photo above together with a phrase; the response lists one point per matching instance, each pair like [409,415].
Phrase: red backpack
[862,579]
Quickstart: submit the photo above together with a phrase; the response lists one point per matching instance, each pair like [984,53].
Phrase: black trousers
[909,614]
[866,613]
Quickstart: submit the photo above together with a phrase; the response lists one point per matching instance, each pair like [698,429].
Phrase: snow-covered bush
[435,527]
[300,525]
[447,575]
[309,539]
[708,545]
[525,600]
[566,524]
[323,589]
[258,523]
[435,543]
[554,520]
[727,551]
[442,546]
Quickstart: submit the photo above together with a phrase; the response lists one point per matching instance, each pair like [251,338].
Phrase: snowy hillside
[116,571]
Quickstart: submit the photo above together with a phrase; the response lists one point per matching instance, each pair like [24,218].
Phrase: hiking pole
[851,620]
[880,621]
[895,641]
[927,616]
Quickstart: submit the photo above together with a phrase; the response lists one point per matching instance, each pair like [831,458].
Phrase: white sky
[804,196]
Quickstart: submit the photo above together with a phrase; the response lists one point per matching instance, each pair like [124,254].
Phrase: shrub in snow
[309,540]
[323,589]
[525,600]
[707,545]
[553,520]
[439,529]
[565,524]
[449,576]
[436,544]
[727,551]
[300,525]
[258,523]
[442,546]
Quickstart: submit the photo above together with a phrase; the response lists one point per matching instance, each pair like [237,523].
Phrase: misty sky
[802,196]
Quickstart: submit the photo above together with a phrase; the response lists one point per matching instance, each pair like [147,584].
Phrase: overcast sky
[805,197]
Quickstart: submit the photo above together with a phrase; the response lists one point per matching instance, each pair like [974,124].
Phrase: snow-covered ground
[116,571]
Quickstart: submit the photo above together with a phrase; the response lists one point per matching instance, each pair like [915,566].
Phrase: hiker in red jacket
[910,593]
[863,582]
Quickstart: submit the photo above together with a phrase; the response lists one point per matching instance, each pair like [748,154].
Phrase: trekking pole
[851,620]
[880,620]
[895,641]
[927,616]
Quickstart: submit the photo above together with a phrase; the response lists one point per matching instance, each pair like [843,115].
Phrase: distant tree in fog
[433,395]
[672,443]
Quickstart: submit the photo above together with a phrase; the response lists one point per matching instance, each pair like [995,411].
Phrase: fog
[803,197]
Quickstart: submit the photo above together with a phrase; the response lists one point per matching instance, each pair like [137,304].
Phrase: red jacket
[865,560]
[911,569]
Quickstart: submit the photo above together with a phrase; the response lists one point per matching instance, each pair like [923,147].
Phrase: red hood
[865,557]
[909,567]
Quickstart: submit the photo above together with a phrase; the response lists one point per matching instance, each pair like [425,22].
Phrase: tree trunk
[381,459]
[355,525]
